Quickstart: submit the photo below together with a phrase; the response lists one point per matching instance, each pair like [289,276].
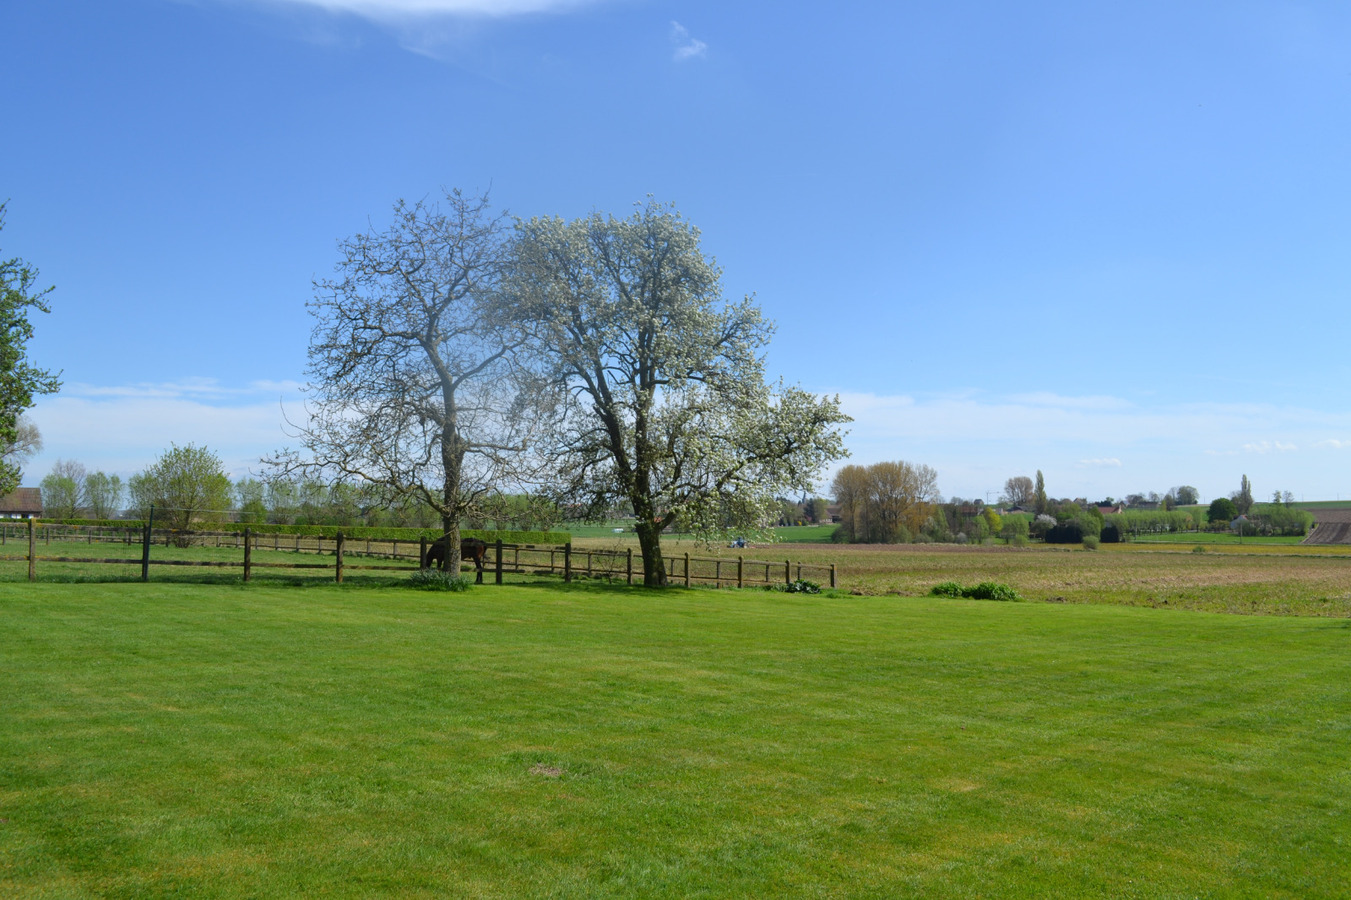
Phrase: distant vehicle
[617,530]
[739,542]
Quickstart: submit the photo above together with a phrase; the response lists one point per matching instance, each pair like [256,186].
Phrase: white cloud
[686,47]
[121,429]
[1269,447]
[1333,444]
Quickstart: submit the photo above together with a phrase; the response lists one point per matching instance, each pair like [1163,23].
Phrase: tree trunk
[451,535]
[649,539]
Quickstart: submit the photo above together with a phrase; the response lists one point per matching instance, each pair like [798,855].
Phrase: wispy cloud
[1269,447]
[686,47]
[123,428]
[1333,444]
[1060,401]
[1096,444]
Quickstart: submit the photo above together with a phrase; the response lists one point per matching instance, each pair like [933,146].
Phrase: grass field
[541,741]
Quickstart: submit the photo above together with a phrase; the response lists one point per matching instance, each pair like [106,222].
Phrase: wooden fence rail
[519,559]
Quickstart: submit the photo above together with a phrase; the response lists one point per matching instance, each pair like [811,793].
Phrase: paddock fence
[360,554]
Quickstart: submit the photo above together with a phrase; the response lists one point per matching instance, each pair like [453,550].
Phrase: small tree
[1222,511]
[62,489]
[185,485]
[102,494]
[250,494]
[1243,497]
[1186,495]
[1039,500]
[1014,530]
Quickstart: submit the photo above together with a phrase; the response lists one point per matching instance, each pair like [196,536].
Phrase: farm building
[24,503]
[1330,526]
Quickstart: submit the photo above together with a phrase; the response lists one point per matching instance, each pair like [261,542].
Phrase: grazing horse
[470,548]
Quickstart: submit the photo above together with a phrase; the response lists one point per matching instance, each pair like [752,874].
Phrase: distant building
[24,503]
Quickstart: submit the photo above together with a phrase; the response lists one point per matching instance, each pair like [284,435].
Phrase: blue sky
[1109,242]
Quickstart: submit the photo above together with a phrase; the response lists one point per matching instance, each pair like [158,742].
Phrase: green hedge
[102,523]
[351,532]
[362,533]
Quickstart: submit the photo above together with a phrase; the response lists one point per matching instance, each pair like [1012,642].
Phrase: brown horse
[470,548]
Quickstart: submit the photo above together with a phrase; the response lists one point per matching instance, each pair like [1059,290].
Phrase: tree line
[187,486]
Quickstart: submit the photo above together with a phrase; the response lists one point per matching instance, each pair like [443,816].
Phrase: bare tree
[26,442]
[409,364]
[1018,491]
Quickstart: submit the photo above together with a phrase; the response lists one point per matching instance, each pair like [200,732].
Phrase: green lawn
[540,741]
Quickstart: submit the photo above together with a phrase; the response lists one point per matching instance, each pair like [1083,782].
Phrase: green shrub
[1198,549]
[1090,542]
[991,590]
[986,590]
[802,586]
[436,580]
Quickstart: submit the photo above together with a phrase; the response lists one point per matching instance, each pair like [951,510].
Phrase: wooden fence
[520,559]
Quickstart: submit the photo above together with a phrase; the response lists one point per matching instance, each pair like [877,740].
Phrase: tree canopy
[661,399]
[410,362]
[185,485]
[886,502]
[20,380]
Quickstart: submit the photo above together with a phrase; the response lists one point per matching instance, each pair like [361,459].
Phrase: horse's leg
[478,563]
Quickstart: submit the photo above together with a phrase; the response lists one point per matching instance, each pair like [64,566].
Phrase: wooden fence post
[832,574]
[567,562]
[787,571]
[248,548]
[628,566]
[497,575]
[687,570]
[337,553]
[32,549]
[421,552]
[145,554]
[738,571]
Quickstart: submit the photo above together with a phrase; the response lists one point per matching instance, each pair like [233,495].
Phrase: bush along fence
[402,556]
